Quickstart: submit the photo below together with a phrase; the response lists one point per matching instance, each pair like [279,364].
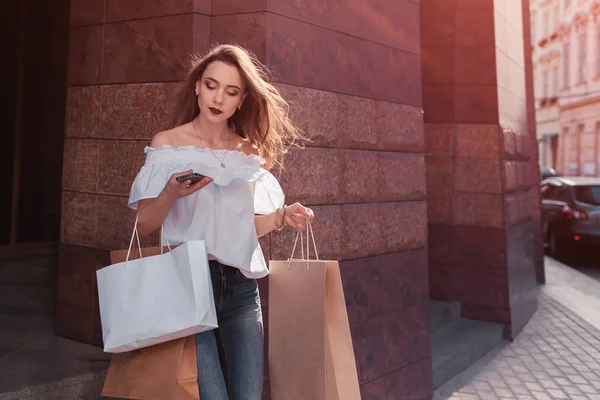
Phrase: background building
[423,170]
[566,55]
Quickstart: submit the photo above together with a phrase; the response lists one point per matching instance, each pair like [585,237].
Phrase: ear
[242,100]
[197,88]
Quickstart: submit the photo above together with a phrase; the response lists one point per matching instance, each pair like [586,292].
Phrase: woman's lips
[215,111]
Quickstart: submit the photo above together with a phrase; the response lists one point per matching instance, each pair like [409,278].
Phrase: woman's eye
[210,87]
[232,94]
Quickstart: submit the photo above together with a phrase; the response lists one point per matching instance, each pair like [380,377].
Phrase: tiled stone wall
[352,75]
[124,60]
[482,178]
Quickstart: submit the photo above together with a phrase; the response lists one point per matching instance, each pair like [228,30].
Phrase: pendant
[222,165]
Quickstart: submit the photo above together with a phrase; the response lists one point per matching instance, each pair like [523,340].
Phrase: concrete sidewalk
[556,356]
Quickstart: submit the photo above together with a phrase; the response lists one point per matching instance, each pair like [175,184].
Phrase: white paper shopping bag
[155,299]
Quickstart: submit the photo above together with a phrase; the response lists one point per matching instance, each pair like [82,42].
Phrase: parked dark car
[571,214]
[546,173]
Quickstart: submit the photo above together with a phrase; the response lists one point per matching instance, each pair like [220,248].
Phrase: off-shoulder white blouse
[222,213]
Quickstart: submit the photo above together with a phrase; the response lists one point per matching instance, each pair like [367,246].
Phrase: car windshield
[588,194]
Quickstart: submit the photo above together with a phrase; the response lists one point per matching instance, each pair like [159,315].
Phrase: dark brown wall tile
[201,34]
[478,209]
[314,112]
[120,161]
[475,27]
[475,65]
[478,175]
[77,275]
[136,111]
[248,30]
[375,21]
[80,165]
[399,127]
[465,245]
[85,55]
[485,313]
[83,112]
[439,138]
[336,62]
[357,181]
[476,104]
[439,65]
[438,24]
[76,323]
[149,50]
[220,7]
[312,176]
[115,223]
[470,284]
[385,284]
[86,12]
[478,140]
[439,189]
[118,10]
[79,218]
[413,382]
[361,231]
[438,103]
[389,342]
[356,122]
[402,176]
[403,226]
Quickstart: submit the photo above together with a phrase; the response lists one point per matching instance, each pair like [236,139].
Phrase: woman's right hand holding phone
[175,190]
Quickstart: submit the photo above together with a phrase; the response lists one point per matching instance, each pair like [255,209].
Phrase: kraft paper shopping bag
[311,356]
[166,371]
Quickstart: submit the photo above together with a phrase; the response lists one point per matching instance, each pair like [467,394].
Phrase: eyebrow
[216,81]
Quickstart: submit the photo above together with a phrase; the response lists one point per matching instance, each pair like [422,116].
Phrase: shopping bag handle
[299,235]
[135,234]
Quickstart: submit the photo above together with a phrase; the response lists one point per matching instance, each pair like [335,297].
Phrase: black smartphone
[193,177]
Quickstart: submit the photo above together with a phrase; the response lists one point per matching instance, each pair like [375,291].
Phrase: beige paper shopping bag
[311,356]
[166,371]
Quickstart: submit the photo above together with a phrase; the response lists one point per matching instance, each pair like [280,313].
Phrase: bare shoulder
[246,146]
[169,137]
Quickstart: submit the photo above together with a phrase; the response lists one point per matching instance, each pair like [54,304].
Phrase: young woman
[228,121]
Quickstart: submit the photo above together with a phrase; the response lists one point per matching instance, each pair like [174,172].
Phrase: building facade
[566,42]
[422,169]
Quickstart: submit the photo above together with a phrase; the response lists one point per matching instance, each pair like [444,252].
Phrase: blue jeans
[230,358]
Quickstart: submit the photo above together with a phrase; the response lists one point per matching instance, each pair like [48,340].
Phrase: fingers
[200,184]
[178,174]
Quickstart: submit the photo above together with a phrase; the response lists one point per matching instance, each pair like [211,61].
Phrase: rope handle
[309,231]
[135,234]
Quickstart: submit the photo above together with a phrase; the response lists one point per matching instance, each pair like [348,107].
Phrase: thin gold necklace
[222,161]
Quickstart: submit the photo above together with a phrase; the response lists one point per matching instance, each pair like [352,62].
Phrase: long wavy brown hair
[264,116]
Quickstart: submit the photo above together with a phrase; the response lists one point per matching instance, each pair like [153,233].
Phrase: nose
[218,97]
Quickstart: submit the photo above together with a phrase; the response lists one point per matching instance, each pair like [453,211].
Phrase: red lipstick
[215,111]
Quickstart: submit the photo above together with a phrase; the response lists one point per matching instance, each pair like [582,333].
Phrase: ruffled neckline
[167,148]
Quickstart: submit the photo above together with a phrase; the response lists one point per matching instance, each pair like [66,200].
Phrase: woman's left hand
[297,215]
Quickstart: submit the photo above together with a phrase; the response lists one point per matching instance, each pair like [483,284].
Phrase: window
[555,81]
[598,49]
[588,194]
[556,17]
[567,3]
[547,191]
[566,65]
[582,56]
[545,84]
[546,25]
[533,35]
[562,193]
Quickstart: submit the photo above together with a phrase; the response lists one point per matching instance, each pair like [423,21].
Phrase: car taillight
[571,213]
